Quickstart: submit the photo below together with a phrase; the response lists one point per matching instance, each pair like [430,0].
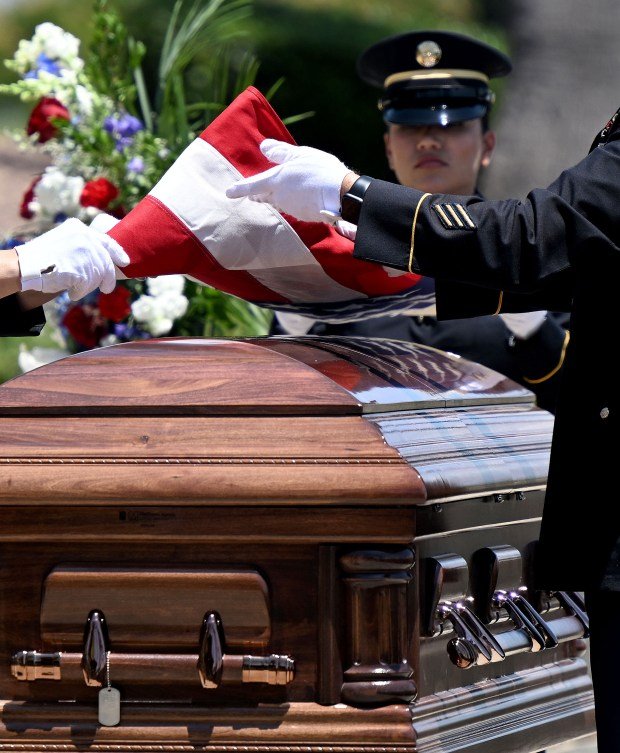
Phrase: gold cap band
[445,73]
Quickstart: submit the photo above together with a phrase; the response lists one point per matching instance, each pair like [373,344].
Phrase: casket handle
[216,666]
[96,649]
[464,652]
[520,619]
[469,631]
[483,632]
[573,604]
[518,597]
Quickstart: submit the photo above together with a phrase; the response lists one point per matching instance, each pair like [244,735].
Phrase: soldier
[435,103]
[70,257]
[558,249]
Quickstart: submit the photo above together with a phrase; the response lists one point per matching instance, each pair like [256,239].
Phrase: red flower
[98,193]
[41,118]
[115,305]
[83,326]
[24,210]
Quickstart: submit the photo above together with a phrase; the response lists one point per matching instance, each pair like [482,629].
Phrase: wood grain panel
[323,438]
[175,377]
[155,608]
[289,570]
[95,526]
[219,482]
[329,634]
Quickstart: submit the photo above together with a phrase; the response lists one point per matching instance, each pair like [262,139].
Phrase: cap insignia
[428,54]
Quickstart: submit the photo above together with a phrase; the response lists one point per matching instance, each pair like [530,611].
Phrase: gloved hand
[305,182]
[525,324]
[346,229]
[70,257]
[103,222]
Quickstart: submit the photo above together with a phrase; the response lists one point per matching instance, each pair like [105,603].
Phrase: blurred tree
[317,43]
[313,44]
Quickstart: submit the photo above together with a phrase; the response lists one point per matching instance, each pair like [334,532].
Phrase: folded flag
[187,225]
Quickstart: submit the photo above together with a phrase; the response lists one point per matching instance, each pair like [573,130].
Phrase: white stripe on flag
[243,234]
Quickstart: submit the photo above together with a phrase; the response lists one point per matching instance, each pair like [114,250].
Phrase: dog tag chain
[109,701]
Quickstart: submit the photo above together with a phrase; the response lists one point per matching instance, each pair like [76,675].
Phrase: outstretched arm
[529,246]
[70,257]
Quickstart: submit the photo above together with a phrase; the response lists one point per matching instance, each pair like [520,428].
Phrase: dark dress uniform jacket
[17,323]
[558,249]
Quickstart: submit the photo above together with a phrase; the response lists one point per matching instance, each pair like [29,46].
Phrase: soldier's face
[439,159]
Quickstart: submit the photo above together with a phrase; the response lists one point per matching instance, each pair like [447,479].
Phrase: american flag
[187,225]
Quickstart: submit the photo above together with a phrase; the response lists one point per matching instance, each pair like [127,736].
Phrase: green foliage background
[312,44]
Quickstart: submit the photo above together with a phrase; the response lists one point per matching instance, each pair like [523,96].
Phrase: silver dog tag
[109,707]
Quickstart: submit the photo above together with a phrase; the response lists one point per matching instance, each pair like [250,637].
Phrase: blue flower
[135,165]
[123,129]
[46,64]
[128,125]
[8,242]
[123,142]
[123,331]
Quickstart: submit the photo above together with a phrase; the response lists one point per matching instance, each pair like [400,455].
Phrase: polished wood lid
[259,376]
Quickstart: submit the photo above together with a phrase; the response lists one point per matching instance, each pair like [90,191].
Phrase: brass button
[604,413]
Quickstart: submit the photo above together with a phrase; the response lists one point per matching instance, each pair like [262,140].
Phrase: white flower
[108,340]
[34,207]
[171,304]
[159,325]
[165,284]
[28,360]
[89,213]
[57,193]
[26,55]
[84,100]
[143,309]
[56,43]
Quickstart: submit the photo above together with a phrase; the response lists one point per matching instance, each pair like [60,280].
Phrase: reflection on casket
[285,544]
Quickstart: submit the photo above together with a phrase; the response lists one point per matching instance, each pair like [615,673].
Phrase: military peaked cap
[432,77]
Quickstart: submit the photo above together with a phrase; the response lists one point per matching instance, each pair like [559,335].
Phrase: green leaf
[297,118]
[203,26]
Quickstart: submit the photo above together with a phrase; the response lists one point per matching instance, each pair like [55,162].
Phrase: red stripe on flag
[238,131]
[337,260]
[151,226]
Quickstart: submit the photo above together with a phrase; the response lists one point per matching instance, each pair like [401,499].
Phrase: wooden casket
[275,545]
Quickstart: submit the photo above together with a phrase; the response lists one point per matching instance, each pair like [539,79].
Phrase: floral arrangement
[108,144]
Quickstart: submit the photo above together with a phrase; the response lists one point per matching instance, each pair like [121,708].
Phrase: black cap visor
[436,114]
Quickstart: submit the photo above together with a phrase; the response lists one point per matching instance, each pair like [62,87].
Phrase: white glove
[346,229]
[524,325]
[103,222]
[70,257]
[305,182]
